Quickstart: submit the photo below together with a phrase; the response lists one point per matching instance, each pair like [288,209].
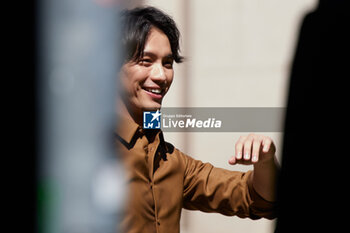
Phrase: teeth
[156,91]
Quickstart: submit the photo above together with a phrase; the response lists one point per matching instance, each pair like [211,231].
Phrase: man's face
[145,83]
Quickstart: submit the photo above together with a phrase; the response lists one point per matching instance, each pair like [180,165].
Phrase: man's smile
[154,92]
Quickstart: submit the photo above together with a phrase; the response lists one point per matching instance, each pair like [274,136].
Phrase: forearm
[264,178]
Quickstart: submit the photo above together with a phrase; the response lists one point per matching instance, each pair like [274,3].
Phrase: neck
[123,111]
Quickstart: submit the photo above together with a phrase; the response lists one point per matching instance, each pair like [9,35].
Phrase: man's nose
[157,72]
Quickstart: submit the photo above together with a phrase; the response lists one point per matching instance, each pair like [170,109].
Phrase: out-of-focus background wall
[238,54]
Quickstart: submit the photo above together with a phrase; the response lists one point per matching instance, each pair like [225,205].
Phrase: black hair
[136,24]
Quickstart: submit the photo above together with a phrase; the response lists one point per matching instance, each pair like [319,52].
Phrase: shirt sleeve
[211,189]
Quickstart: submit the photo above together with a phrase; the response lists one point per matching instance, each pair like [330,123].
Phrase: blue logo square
[151,120]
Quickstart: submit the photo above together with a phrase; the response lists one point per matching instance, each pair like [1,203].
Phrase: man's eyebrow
[169,56]
[145,53]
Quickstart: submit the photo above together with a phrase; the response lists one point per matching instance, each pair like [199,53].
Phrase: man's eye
[145,62]
[168,64]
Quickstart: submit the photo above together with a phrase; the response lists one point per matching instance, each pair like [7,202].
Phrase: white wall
[238,55]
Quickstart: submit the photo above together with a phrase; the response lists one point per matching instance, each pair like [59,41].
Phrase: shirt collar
[127,128]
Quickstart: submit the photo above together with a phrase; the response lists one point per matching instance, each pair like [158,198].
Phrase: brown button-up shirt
[162,180]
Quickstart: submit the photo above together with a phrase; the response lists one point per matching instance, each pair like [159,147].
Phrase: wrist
[264,177]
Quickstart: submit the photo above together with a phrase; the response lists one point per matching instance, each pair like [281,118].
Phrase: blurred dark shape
[313,191]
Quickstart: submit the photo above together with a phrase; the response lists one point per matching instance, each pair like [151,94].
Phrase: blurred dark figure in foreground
[312,192]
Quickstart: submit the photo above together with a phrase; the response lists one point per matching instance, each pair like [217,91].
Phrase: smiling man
[161,179]
[146,79]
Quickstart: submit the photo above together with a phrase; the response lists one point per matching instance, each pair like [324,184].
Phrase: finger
[255,150]
[266,144]
[247,149]
[239,147]
[232,160]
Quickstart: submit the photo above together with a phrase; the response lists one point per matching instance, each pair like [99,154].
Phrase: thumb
[232,160]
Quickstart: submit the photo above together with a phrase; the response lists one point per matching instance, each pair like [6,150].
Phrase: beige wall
[238,55]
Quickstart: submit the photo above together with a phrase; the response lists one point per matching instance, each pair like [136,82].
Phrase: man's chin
[151,107]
